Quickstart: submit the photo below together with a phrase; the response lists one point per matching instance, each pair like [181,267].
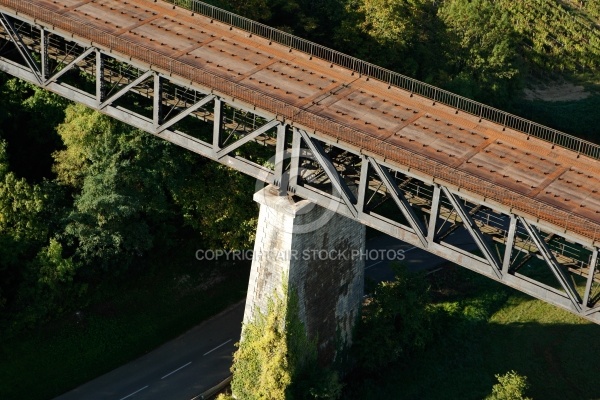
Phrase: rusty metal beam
[356,143]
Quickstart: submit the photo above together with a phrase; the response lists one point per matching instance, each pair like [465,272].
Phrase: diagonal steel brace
[185,113]
[126,89]
[226,150]
[69,66]
[553,264]
[337,182]
[400,200]
[590,277]
[16,38]
[476,234]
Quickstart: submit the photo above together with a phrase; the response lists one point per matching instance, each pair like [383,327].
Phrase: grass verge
[126,319]
[484,328]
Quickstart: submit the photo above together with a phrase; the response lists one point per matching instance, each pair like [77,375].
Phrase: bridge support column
[317,253]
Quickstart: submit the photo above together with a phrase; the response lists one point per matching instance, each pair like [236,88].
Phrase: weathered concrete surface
[317,254]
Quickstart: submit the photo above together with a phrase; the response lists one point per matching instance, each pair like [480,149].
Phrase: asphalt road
[415,259]
[180,369]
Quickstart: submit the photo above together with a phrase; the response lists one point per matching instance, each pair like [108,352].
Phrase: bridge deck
[408,127]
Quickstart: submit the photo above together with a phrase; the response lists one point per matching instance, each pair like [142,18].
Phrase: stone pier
[317,253]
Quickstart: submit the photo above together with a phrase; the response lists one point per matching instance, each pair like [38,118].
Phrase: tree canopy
[510,386]
[395,321]
[110,195]
[486,62]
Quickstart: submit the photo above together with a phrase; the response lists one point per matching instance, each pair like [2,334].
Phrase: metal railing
[566,220]
[391,78]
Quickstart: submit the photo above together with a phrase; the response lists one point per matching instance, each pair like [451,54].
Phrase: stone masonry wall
[311,248]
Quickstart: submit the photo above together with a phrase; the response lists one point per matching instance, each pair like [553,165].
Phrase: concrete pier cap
[318,254]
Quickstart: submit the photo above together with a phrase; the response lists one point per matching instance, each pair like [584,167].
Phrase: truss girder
[69,66]
[248,137]
[21,48]
[179,117]
[336,180]
[556,269]
[286,172]
[474,231]
[400,200]
[126,89]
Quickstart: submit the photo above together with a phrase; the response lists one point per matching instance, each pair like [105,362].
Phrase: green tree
[405,35]
[108,225]
[55,271]
[510,386]
[395,321]
[30,205]
[485,61]
[128,182]
[20,206]
[257,10]
[28,117]
[119,176]
[49,286]
[216,201]
[80,132]
[24,227]
[393,21]
[3,160]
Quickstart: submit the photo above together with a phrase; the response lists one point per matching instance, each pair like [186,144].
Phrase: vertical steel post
[157,102]
[295,159]
[434,213]
[218,125]
[99,77]
[363,184]
[590,278]
[510,241]
[44,54]
[281,178]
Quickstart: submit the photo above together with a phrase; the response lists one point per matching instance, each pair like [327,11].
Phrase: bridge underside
[534,257]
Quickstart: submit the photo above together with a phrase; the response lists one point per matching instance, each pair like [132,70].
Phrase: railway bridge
[339,144]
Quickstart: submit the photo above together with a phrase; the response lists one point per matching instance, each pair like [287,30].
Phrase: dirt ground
[561,91]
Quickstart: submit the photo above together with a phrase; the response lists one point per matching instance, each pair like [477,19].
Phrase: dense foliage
[395,322]
[592,7]
[467,345]
[87,196]
[510,386]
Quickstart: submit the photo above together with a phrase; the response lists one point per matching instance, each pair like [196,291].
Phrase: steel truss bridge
[406,158]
